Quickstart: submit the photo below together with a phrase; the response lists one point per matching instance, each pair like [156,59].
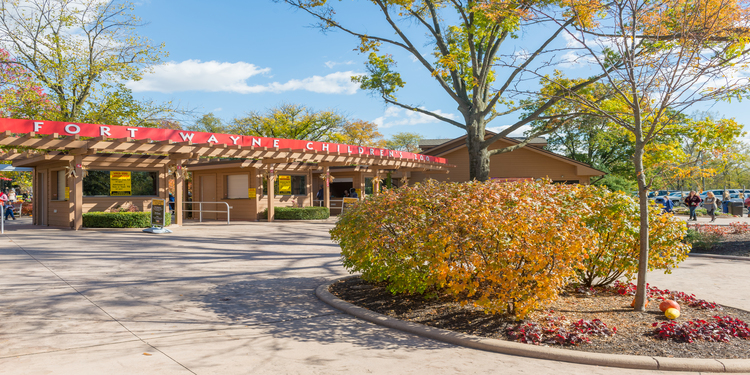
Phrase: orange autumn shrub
[505,247]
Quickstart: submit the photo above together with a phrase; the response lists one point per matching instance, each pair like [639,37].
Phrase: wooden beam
[277,161]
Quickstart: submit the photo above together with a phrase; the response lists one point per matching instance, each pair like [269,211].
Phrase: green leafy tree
[292,121]
[467,55]
[404,142]
[210,123]
[80,52]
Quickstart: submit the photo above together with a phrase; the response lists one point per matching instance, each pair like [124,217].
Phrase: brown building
[530,162]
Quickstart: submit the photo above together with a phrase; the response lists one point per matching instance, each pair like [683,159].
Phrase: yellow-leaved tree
[659,58]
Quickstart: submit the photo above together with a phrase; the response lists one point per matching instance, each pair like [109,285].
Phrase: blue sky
[233,57]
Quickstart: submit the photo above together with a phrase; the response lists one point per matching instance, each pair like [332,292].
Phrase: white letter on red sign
[309,146]
[104,130]
[381,152]
[72,129]
[187,137]
[256,142]
[37,126]
[132,132]
[275,143]
[325,147]
[213,139]
[361,150]
[235,139]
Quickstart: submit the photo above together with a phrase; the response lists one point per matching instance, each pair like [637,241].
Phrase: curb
[727,257]
[526,350]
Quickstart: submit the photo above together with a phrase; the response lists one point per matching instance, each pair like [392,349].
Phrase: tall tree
[292,121]
[465,60]
[80,52]
[660,57]
[210,123]
[361,133]
[404,142]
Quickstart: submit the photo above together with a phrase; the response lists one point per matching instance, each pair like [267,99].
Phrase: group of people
[711,204]
[7,198]
[351,193]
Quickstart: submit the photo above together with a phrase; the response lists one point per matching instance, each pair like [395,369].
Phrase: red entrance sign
[133,132]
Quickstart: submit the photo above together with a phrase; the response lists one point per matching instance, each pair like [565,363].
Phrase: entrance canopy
[61,152]
[58,140]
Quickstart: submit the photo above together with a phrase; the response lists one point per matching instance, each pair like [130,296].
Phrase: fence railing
[200,209]
[336,204]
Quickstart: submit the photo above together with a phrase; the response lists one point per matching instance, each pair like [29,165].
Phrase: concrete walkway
[239,299]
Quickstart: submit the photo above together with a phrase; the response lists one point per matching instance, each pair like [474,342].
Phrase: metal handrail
[200,209]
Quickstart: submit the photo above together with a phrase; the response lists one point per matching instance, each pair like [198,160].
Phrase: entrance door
[40,200]
[208,194]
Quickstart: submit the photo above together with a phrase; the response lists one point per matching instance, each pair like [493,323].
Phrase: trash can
[736,208]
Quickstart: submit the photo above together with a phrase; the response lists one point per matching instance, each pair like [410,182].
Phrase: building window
[368,185]
[142,183]
[237,186]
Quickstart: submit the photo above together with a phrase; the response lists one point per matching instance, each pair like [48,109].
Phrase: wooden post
[376,182]
[35,192]
[327,188]
[178,193]
[77,192]
[271,192]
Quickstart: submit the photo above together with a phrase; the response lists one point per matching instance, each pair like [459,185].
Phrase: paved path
[238,299]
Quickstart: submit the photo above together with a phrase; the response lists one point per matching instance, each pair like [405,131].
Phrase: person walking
[692,202]
[668,205]
[710,205]
[5,207]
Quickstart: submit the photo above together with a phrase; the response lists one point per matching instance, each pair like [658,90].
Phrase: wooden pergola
[31,149]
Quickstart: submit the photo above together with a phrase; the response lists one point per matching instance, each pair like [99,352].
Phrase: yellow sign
[251,193]
[285,184]
[359,192]
[119,184]
[67,193]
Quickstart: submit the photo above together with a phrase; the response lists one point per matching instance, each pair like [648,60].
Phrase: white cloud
[331,64]
[396,116]
[516,133]
[214,76]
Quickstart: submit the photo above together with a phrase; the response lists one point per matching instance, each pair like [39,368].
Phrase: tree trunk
[479,157]
[640,294]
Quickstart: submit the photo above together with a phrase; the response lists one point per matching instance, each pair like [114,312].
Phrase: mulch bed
[634,334]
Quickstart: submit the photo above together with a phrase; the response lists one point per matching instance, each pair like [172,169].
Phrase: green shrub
[121,219]
[615,216]
[702,239]
[298,213]
[503,247]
